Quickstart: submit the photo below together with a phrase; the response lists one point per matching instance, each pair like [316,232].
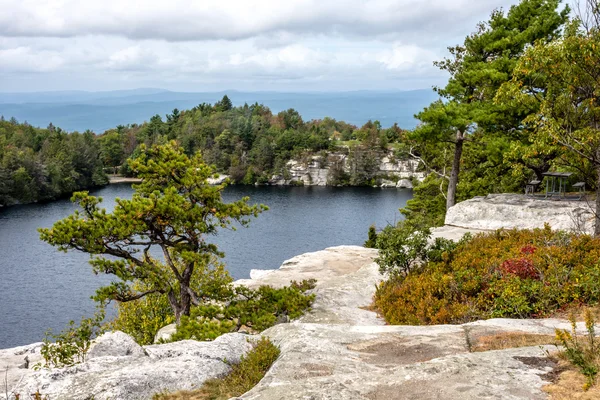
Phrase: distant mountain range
[99,111]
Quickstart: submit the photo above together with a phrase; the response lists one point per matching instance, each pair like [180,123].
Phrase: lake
[41,287]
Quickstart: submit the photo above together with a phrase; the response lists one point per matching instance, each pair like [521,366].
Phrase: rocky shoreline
[339,350]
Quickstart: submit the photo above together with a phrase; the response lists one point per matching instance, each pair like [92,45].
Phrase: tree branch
[125,299]
[416,157]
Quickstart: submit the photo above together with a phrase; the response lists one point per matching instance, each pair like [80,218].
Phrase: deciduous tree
[569,112]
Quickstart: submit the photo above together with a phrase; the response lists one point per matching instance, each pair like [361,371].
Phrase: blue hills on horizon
[100,111]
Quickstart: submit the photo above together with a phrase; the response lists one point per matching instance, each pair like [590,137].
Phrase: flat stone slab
[509,211]
[396,362]
[346,279]
[454,233]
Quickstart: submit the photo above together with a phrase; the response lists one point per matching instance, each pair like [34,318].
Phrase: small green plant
[371,242]
[305,285]
[400,247]
[583,353]
[243,376]
[71,345]
[142,318]
[257,309]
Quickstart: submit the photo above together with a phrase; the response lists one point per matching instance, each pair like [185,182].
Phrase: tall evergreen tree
[477,70]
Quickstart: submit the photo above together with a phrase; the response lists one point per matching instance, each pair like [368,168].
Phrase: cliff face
[336,168]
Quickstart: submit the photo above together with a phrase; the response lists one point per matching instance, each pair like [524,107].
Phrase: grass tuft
[243,376]
[511,340]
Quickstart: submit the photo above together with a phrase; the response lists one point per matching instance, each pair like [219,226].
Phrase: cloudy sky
[205,45]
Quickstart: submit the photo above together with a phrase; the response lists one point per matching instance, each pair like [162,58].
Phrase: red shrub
[521,267]
[529,249]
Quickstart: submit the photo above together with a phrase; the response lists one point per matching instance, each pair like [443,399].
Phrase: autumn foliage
[507,273]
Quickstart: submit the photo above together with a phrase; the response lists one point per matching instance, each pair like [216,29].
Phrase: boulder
[220,178]
[116,369]
[115,344]
[387,183]
[165,333]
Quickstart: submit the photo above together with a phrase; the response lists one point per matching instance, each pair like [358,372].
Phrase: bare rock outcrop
[118,368]
[341,350]
[508,211]
[317,170]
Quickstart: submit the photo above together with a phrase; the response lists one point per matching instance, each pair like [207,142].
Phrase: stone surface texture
[118,368]
[497,211]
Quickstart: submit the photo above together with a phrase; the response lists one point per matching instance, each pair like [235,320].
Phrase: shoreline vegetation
[249,144]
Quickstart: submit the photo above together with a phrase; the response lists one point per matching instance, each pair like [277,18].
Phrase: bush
[400,247]
[71,345]
[371,242]
[508,273]
[259,309]
[142,318]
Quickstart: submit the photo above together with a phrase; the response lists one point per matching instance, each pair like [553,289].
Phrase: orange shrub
[507,273]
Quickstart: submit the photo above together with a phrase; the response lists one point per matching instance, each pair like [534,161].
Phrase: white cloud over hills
[230,44]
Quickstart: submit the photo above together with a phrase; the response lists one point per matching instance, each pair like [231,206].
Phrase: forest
[249,143]
[45,164]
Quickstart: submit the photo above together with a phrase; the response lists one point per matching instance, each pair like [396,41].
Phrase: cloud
[245,45]
[24,59]
[405,57]
[184,20]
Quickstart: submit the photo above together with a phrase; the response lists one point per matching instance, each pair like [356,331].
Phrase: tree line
[249,143]
[44,164]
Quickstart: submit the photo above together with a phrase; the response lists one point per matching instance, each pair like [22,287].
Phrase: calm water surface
[43,288]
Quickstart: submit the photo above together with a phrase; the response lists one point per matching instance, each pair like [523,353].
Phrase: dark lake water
[43,288]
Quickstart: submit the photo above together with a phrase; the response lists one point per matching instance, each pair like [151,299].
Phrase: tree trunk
[453,182]
[597,213]
[174,306]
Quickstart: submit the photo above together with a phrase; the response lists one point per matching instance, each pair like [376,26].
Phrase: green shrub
[371,242]
[256,308]
[507,273]
[71,345]
[400,247]
[142,318]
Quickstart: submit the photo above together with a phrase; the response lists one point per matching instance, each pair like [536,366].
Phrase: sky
[250,45]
